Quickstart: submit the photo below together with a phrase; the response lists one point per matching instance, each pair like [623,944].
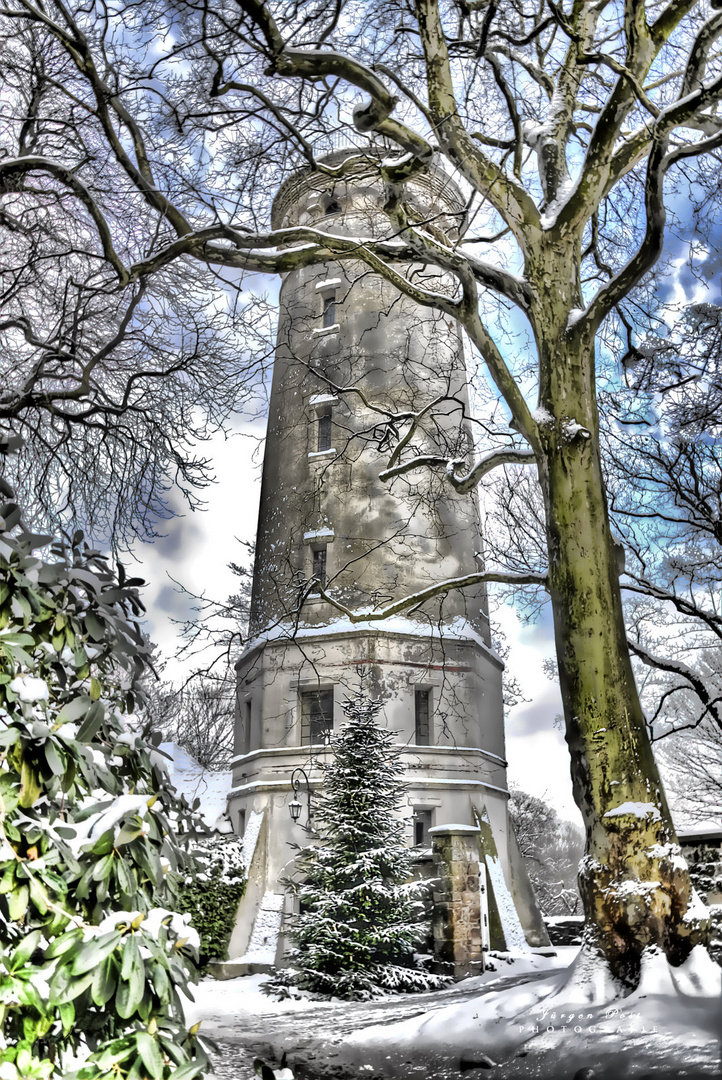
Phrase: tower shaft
[355,362]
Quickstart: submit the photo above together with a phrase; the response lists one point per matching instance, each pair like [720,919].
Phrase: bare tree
[199,717]
[551,849]
[564,126]
[111,383]
[693,762]
[664,475]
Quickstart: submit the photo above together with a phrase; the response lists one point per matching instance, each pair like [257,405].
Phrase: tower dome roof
[359,167]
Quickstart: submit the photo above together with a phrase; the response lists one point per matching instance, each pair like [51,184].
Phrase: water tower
[350,351]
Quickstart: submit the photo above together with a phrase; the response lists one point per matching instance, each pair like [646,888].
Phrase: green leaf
[121,873]
[95,951]
[7,883]
[131,958]
[39,895]
[64,943]
[56,765]
[104,843]
[127,834]
[25,950]
[103,868]
[105,981]
[95,628]
[18,902]
[127,999]
[67,1016]
[150,1053]
[74,709]
[64,986]
[114,1052]
[16,639]
[80,657]
[30,788]
[185,1072]
[161,983]
[132,974]
[91,725]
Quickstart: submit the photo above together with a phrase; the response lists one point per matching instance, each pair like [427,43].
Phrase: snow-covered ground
[533,1017]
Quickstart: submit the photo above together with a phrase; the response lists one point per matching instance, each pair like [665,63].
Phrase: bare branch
[415,600]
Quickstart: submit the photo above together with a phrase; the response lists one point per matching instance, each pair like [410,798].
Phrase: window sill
[324,331]
[322,453]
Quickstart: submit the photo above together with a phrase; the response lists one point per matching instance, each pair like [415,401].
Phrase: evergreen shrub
[93,951]
[212,894]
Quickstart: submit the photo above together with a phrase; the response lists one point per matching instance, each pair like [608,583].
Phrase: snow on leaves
[93,955]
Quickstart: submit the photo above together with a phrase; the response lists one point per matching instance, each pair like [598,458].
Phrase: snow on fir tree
[360,912]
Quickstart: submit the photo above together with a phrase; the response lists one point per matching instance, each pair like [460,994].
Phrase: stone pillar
[458,939]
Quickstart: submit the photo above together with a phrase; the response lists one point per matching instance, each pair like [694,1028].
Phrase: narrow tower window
[422,820]
[246,726]
[329,309]
[316,716]
[421,717]
[331,206]
[319,564]
[324,431]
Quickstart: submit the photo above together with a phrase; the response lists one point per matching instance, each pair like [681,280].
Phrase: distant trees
[199,717]
[198,714]
[662,443]
[692,759]
[551,849]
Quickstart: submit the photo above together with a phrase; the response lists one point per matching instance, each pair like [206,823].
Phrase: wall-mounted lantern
[298,776]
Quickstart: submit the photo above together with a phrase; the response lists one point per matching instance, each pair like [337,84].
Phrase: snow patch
[640,810]
[192,780]
[633,887]
[459,628]
[589,981]
[697,911]
[570,430]
[698,977]
[671,853]
[250,836]
[542,416]
[440,830]
[319,534]
[266,928]
[510,924]
[30,689]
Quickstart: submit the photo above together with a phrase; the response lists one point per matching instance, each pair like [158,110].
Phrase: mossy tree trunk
[634,885]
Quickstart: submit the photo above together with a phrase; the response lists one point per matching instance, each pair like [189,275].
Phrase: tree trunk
[633,881]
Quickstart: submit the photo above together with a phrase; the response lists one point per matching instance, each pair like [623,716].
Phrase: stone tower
[351,350]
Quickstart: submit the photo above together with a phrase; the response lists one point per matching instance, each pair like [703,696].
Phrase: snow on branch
[414,600]
[693,681]
[466,483]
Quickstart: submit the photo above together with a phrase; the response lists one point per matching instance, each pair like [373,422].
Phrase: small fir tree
[360,913]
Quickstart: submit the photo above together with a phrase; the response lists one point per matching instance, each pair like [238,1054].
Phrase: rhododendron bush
[92,953]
